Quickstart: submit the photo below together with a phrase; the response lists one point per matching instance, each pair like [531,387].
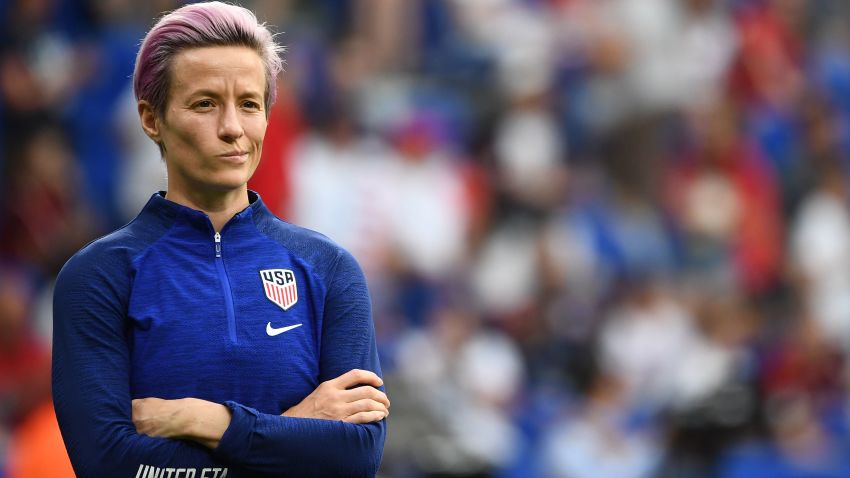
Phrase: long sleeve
[91,391]
[315,447]
[91,367]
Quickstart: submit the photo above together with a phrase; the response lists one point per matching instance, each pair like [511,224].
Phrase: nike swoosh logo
[273,331]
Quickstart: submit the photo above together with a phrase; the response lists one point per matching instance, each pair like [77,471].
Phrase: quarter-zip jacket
[167,307]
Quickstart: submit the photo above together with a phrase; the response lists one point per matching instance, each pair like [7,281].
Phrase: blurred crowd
[604,238]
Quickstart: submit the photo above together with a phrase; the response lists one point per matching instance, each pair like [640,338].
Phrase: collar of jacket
[170,211]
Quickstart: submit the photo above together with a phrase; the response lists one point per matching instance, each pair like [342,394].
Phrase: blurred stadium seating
[604,238]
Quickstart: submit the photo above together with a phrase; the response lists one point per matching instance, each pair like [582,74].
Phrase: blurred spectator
[720,407]
[273,180]
[804,362]
[24,379]
[768,66]
[142,170]
[677,50]
[505,275]
[803,446]
[821,253]
[530,155]
[338,189]
[428,211]
[604,437]
[725,197]
[639,340]
[41,202]
[24,358]
[37,62]
[518,35]
[464,379]
[705,45]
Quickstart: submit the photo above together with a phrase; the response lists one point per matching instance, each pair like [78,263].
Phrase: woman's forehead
[212,58]
[216,66]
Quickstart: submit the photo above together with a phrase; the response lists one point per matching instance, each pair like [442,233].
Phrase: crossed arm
[351,397]
[106,433]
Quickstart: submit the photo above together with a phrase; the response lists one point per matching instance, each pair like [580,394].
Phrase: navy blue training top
[255,317]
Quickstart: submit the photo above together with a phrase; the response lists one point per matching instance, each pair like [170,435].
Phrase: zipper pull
[217,245]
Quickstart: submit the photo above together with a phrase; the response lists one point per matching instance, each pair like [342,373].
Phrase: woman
[208,338]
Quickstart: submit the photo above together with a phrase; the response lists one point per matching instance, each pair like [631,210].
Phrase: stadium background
[604,238]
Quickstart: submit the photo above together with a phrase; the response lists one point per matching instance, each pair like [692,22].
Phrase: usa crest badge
[280,287]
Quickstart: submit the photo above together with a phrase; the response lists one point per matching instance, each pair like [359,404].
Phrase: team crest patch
[280,287]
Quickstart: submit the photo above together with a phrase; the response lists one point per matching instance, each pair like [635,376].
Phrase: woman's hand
[351,397]
[184,418]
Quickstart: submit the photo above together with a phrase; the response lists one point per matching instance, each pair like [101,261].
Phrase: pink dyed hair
[200,25]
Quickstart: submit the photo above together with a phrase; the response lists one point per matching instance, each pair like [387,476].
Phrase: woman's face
[214,121]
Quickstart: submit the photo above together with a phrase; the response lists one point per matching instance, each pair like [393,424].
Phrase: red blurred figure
[768,65]
[272,178]
[24,357]
[725,197]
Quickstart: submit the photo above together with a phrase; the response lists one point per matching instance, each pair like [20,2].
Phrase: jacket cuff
[236,441]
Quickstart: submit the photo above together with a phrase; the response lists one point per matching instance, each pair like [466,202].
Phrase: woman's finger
[365,405]
[356,377]
[359,393]
[365,417]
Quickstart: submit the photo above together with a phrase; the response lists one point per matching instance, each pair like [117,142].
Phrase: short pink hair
[201,25]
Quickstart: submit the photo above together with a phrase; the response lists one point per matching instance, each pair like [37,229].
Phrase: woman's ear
[150,121]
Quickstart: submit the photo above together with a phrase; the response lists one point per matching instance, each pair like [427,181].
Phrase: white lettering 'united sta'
[150,471]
